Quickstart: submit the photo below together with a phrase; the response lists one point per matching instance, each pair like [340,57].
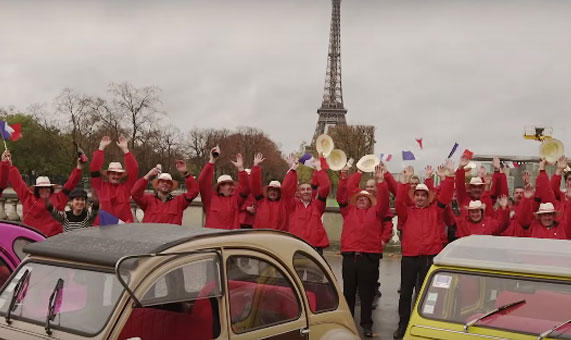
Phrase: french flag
[13,132]
[106,218]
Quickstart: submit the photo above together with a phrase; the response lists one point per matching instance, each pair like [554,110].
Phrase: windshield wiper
[18,294]
[547,333]
[492,312]
[54,305]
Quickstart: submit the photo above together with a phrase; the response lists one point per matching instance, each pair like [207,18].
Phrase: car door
[263,301]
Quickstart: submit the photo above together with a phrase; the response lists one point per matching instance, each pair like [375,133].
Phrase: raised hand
[317,164]
[290,159]
[7,157]
[441,171]
[529,192]
[152,173]
[380,170]
[561,164]
[406,174]
[181,166]
[429,171]
[258,158]
[122,144]
[294,165]
[449,165]
[488,180]
[542,164]
[503,202]
[496,164]
[79,163]
[214,154]
[482,172]
[463,162]
[239,162]
[105,141]
[525,176]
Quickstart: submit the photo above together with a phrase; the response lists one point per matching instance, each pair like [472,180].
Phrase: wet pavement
[385,317]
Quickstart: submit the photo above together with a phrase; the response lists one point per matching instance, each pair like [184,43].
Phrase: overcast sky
[471,71]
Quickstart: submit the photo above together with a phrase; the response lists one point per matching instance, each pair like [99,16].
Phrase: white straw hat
[475,205]
[43,182]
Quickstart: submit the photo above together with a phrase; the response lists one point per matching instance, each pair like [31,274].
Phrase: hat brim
[122,172]
[482,207]
[174,184]
[217,185]
[356,196]
[368,163]
[555,212]
[431,195]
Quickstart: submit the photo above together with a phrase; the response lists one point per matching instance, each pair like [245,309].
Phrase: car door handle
[304,331]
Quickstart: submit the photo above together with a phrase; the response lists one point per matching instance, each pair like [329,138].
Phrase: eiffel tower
[332,111]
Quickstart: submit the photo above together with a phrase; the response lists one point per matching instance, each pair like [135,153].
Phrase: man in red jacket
[475,223]
[422,229]
[362,243]
[271,211]
[114,195]
[222,204]
[162,207]
[35,212]
[305,211]
[474,191]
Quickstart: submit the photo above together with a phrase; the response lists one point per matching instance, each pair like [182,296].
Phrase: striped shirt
[71,222]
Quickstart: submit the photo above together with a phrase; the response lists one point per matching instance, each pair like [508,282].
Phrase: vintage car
[490,287]
[159,281]
[13,238]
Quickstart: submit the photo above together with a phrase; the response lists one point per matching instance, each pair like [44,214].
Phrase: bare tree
[76,111]
[139,105]
[355,140]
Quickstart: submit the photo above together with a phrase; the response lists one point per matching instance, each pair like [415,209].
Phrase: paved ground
[386,315]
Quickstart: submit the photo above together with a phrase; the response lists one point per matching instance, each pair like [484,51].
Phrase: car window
[319,289]
[260,294]
[462,297]
[88,297]
[180,305]
[5,271]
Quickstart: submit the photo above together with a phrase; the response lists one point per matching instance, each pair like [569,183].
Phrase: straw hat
[421,187]
[324,145]
[476,181]
[363,193]
[115,167]
[223,179]
[272,185]
[165,177]
[546,208]
[43,182]
[337,160]
[368,163]
[476,205]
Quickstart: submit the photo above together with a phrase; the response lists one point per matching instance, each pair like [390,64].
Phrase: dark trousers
[411,269]
[360,272]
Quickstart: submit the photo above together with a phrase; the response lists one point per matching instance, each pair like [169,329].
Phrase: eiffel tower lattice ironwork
[332,111]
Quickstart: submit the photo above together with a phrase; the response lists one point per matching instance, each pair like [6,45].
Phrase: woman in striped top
[79,216]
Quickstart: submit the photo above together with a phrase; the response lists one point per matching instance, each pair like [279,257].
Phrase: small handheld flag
[453,150]
[307,160]
[106,218]
[408,156]
[13,132]
[419,141]
[389,157]
[467,154]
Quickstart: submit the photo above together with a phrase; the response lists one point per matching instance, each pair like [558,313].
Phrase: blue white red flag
[13,132]
[106,218]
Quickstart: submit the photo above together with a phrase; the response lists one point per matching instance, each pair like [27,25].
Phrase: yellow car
[158,281]
[489,287]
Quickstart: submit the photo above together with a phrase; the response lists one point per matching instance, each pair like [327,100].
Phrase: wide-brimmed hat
[115,167]
[476,205]
[272,185]
[546,208]
[476,181]
[165,177]
[421,187]
[324,145]
[43,182]
[223,179]
[363,193]
[368,163]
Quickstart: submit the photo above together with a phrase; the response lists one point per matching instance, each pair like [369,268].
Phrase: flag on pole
[307,160]
[408,156]
[382,157]
[419,141]
[13,132]
[106,218]
[453,150]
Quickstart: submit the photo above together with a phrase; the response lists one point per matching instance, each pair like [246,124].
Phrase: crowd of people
[429,215]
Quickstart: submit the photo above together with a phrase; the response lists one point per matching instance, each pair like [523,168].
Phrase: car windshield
[87,297]
[464,297]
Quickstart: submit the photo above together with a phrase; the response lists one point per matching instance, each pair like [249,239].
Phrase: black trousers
[360,272]
[412,268]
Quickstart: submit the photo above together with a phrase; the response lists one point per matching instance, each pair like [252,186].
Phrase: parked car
[13,238]
[158,281]
[490,287]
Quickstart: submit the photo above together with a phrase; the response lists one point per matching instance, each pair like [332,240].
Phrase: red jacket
[170,211]
[534,228]
[114,198]
[4,173]
[423,228]
[305,221]
[363,229]
[464,199]
[272,214]
[35,212]
[222,211]
[244,217]
[486,226]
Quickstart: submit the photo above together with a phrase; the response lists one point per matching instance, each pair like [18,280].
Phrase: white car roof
[511,254]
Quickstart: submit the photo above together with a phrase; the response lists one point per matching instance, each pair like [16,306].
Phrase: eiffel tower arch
[332,112]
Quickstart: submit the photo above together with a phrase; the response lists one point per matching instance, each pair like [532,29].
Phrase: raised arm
[323,186]
[205,180]
[56,214]
[556,178]
[138,191]
[130,163]
[4,174]
[401,205]
[353,182]
[289,186]
[460,181]
[524,217]
[18,183]
[97,163]
[383,203]
[256,177]
[61,198]
[543,186]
